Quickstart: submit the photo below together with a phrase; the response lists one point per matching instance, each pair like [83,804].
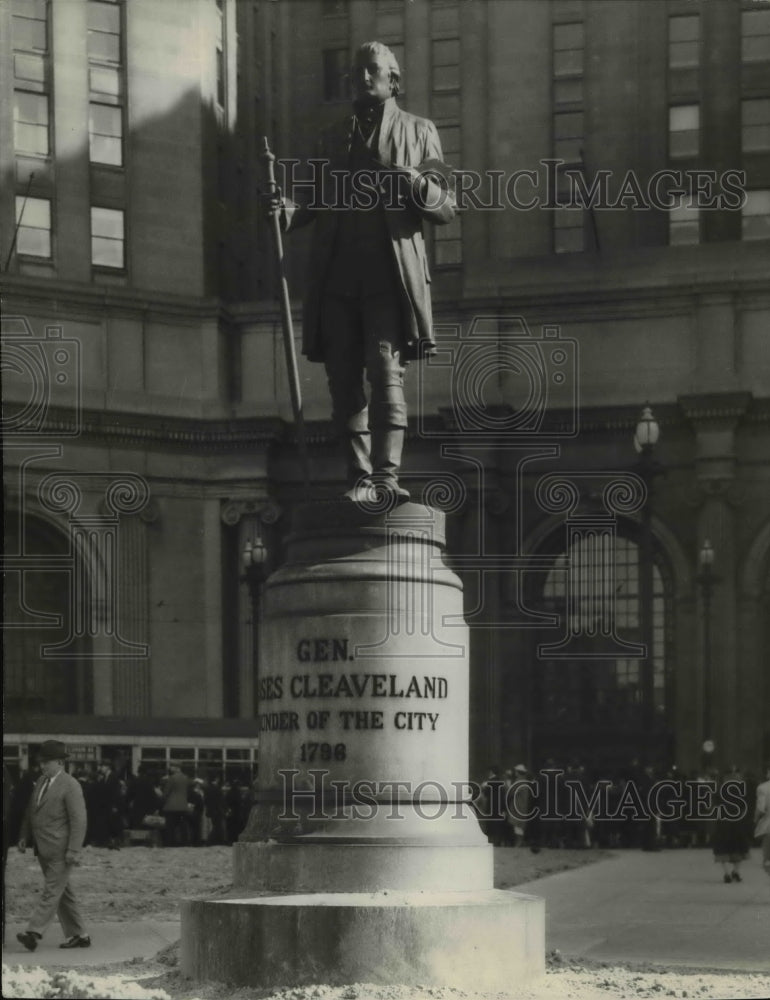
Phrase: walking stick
[288,326]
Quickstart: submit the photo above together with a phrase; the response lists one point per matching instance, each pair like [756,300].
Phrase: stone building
[148,427]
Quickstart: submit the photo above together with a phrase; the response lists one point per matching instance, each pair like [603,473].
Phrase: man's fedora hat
[53,750]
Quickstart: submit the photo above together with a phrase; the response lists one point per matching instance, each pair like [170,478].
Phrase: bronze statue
[367,307]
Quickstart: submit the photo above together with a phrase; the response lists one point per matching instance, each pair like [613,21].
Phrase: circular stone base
[470,940]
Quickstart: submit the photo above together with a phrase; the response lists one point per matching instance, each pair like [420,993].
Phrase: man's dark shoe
[29,939]
[77,941]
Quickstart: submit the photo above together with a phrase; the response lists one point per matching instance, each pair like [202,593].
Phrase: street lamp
[253,563]
[706,580]
[646,437]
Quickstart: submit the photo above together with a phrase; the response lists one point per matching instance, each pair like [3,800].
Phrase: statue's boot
[388,428]
[356,449]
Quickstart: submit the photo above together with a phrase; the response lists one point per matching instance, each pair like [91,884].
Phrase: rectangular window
[103,32]
[755,35]
[568,135]
[568,49]
[104,82]
[684,223]
[446,107]
[336,72]
[107,237]
[33,217]
[683,41]
[334,8]
[105,134]
[683,131]
[445,19]
[450,144]
[755,217]
[446,64]
[755,125]
[448,244]
[568,235]
[30,123]
[568,91]
[221,68]
[29,68]
[30,26]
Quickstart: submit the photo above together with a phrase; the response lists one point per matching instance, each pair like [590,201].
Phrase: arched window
[38,613]
[590,704]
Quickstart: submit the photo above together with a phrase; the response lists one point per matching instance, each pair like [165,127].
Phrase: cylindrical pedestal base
[470,940]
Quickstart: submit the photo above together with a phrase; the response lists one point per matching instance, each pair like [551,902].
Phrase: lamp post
[253,563]
[706,580]
[645,438]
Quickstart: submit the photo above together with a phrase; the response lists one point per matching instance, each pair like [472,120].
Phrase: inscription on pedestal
[346,685]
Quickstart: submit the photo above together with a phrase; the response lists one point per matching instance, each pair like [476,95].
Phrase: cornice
[211,436]
[22,291]
[184,433]
[716,407]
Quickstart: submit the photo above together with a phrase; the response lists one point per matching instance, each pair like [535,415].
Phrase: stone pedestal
[363,859]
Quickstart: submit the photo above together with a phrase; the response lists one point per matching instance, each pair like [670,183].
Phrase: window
[568,49]
[568,123]
[684,222]
[30,27]
[446,107]
[221,68]
[568,135]
[29,68]
[30,123]
[755,125]
[336,71]
[755,35]
[444,17]
[334,8]
[104,82]
[568,235]
[610,690]
[33,217]
[755,220]
[448,243]
[683,131]
[446,64]
[105,134]
[683,41]
[103,32]
[107,237]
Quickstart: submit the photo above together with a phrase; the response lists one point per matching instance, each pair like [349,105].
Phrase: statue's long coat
[404,141]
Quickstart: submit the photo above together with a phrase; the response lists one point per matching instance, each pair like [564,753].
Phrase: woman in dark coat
[730,842]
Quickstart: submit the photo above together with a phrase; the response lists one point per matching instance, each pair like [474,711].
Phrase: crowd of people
[633,807]
[176,809]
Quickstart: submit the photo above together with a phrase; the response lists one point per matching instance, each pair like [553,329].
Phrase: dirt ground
[142,882]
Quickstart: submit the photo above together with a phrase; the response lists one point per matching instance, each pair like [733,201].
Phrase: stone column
[716,497]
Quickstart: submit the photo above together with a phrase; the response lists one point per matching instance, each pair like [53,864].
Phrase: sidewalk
[669,907]
[111,942]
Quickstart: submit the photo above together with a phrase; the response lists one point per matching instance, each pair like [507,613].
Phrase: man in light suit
[56,822]
[367,305]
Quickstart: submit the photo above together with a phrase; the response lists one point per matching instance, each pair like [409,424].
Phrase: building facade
[612,252]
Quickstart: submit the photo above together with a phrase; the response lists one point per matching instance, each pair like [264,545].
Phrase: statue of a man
[367,308]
